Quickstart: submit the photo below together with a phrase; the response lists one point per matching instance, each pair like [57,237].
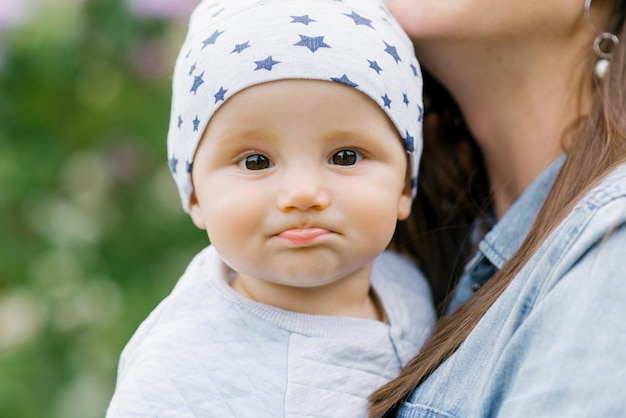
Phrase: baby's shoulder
[191,347]
[392,268]
[407,300]
[195,316]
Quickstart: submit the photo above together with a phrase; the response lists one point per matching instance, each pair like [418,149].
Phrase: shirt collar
[504,239]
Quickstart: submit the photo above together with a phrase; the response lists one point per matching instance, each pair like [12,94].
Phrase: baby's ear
[404,206]
[196,212]
[406,199]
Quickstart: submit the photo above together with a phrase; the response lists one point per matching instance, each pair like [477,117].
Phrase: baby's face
[300,183]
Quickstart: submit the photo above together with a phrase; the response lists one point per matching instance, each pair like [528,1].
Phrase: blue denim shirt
[554,343]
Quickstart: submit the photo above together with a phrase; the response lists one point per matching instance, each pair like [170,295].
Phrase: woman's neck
[517,102]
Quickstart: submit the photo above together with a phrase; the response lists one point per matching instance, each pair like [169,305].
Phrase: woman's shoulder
[595,228]
[609,189]
[557,327]
[596,216]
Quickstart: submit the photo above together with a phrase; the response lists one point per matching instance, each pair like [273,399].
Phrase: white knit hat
[235,44]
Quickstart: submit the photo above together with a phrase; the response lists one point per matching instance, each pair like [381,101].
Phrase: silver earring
[603,44]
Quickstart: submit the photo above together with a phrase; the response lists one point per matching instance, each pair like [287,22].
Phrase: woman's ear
[196,212]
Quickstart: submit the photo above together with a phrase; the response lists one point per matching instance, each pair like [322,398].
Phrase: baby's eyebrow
[243,136]
[348,134]
[356,136]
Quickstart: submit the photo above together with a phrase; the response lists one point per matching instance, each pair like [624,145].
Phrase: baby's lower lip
[303,235]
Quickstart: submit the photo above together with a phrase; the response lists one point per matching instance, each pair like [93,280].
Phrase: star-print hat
[235,44]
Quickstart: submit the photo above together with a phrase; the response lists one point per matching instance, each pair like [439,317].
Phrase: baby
[294,141]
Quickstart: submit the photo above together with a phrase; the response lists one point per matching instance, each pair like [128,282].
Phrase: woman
[537,324]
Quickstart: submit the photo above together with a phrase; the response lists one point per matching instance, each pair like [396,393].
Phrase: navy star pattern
[391,50]
[313,43]
[359,20]
[197,82]
[380,63]
[409,142]
[173,164]
[345,80]
[239,48]
[211,39]
[305,20]
[219,96]
[266,64]
[386,101]
[374,66]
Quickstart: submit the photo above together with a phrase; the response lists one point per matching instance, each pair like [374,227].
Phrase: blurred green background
[92,235]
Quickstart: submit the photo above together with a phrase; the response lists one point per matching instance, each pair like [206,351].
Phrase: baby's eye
[345,157]
[256,162]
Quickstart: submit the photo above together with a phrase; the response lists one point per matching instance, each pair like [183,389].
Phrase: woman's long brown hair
[597,146]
